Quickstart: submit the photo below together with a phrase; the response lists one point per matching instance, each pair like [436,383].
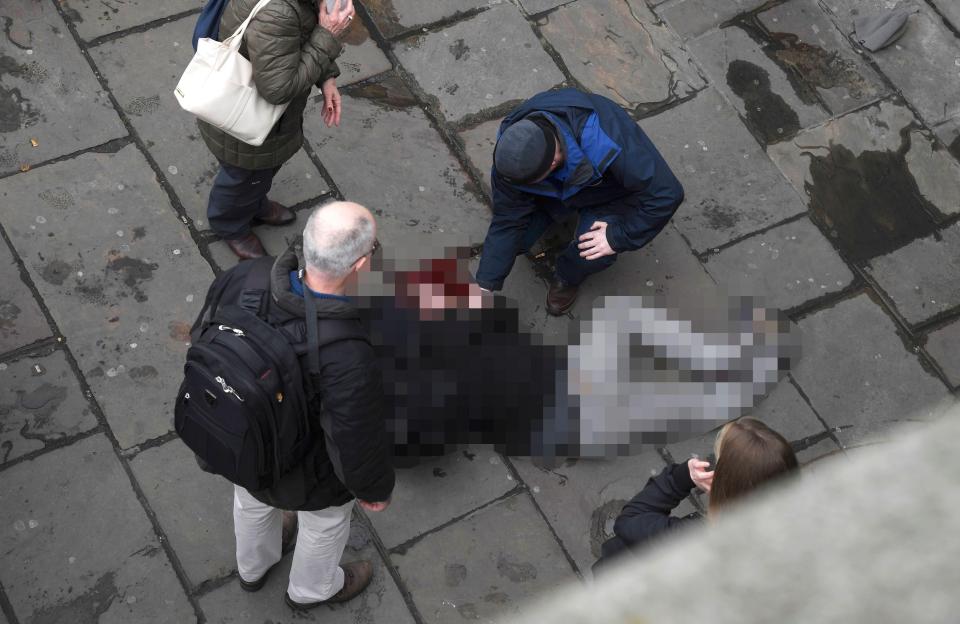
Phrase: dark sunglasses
[372,252]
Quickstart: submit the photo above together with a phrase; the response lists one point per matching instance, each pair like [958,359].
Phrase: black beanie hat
[525,150]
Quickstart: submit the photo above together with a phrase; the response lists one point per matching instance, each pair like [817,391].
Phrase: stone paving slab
[861,187]
[194,509]
[533,7]
[922,63]
[637,62]
[783,410]
[759,89]
[439,490]
[84,548]
[949,134]
[488,60]
[381,602]
[858,374]
[21,320]
[48,94]
[950,9]
[485,566]
[581,498]
[787,265]
[692,18]
[922,278]
[362,58]
[944,346]
[811,47]
[40,402]
[141,70]
[478,142]
[93,18]
[393,17]
[418,186]
[732,189]
[120,274]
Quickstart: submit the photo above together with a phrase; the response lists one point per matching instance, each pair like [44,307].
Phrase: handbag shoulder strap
[238,33]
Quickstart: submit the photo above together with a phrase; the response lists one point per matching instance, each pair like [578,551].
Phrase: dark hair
[749,454]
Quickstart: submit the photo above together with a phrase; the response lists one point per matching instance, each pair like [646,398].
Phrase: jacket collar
[283,295]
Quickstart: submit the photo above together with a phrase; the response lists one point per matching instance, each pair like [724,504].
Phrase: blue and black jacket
[608,159]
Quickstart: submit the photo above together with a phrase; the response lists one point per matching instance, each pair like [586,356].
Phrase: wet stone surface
[582,497]
[388,157]
[949,133]
[731,187]
[393,17]
[950,9]
[117,572]
[40,402]
[873,181]
[787,265]
[692,18]
[922,278]
[483,62]
[47,92]
[485,566]
[194,508]
[944,346]
[120,274]
[93,18]
[858,374]
[133,67]
[439,490]
[21,320]
[380,602]
[637,62]
[757,86]
[922,63]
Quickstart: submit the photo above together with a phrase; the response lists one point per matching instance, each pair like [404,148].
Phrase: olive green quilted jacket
[290,53]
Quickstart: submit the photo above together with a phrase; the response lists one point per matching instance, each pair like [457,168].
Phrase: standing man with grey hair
[350,458]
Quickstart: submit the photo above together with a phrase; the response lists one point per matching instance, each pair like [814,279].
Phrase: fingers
[337,108]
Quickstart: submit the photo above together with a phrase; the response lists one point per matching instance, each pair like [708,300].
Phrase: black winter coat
[647,515]
[351,457]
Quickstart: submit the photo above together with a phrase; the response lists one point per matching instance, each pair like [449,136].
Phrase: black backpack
[244,405]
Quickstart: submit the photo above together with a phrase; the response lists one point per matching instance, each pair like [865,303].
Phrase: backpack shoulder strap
[254,295]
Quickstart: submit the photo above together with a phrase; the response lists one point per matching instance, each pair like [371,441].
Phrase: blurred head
[338,240]
[749,454]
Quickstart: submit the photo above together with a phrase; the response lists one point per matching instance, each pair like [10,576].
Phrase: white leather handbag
[218,87]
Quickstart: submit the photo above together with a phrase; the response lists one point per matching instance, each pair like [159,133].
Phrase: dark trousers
[237,196]
[571,267]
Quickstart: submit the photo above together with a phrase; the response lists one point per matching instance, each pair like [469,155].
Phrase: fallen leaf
[34,142]
[24,168]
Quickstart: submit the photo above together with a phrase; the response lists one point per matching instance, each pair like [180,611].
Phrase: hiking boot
[356,577]
[560,296]
[248,247]
[275,214]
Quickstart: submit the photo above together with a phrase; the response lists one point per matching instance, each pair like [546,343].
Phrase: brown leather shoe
[356,577]
[247,248]
[560,296]
[275,214]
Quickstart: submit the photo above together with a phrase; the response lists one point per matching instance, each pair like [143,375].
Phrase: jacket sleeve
[282,68]
[656,191]
[352,420]
[511,215]
[648,513]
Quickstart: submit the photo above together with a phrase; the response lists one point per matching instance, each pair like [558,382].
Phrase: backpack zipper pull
[236,332]
[228,390]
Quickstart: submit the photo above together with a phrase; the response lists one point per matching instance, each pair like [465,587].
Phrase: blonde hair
[749,454]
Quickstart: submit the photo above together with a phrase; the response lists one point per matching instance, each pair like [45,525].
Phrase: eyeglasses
[374,249]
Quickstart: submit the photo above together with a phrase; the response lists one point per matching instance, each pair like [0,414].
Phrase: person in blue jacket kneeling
[564,152]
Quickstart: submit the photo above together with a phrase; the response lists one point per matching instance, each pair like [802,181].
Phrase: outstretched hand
[331,102]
